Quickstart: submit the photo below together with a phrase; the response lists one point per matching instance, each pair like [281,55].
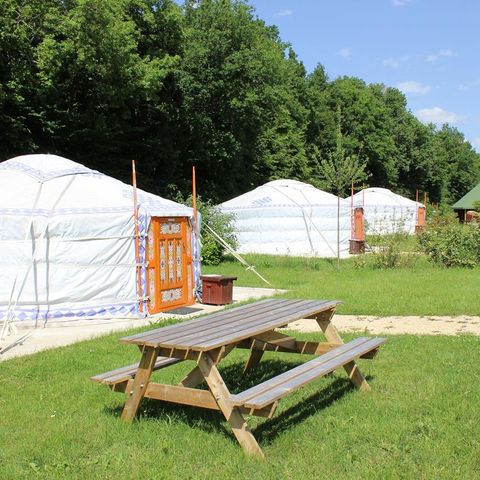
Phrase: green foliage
[221,223]
[206,84]
[340,170]
[389,250]
[451,244]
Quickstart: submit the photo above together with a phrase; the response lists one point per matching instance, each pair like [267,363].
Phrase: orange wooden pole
[137,238]
[416,208]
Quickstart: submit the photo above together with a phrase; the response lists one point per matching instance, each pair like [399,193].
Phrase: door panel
[169,267]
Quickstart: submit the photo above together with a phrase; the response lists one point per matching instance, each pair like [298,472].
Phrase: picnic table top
[231,326]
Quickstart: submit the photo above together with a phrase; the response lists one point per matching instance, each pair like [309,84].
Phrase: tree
[339,171]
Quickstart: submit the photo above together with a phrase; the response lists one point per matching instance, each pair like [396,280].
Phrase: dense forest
[206,84]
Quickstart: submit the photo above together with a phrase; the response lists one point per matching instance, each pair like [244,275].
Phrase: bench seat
[123,374]
[275,388]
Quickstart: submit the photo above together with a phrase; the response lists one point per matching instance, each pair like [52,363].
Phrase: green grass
[419,289]
[419,421]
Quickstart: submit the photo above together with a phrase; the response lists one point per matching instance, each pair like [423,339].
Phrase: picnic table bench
[208,340]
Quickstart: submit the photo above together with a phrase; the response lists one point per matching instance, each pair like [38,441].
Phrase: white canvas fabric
[288,217]
[386,212]
[67,244]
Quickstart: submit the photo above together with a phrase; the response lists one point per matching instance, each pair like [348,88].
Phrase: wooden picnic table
[208,340]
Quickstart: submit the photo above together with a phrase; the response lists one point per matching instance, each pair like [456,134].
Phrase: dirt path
[427,325]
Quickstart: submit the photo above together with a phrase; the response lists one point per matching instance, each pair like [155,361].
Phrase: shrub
[221,223]
[451,244]
[388,250]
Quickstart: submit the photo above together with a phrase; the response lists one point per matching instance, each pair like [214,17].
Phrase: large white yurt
[68,247]
[386,212]
[288,217]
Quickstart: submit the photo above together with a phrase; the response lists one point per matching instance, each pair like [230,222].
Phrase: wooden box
[217,289]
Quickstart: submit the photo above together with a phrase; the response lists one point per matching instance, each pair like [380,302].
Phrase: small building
[465,207]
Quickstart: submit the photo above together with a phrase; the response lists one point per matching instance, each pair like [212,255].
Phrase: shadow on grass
[237,381]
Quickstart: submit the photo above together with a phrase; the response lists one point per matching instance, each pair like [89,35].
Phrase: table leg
[142,377]
[253,360]
[195,377]
[220,391]
[332,335]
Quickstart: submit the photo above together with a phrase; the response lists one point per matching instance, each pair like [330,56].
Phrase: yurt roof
[52,184]
[281,193]
[376,196]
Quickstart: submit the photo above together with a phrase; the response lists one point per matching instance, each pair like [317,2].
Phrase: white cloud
[284,13]
[438,115]
[433,57]
[476,142]
[401,3]
[395,62]
[413,87]
[345,52]
[469,85]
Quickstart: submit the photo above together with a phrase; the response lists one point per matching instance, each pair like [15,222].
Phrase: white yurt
[68,247]
[386,212]
[288,217]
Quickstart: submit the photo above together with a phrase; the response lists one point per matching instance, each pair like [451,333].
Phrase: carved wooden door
[169,264]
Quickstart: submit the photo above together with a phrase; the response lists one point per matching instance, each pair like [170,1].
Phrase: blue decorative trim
[43,312]
[42,176]
[41,212]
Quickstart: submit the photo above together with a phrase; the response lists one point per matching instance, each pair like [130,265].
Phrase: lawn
[419,289]
[419,421]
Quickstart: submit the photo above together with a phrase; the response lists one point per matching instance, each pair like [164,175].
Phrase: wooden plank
[284,383]
[184,332]
[319,370]
[256,323]
[232,414]
[129,371]
[192,397]
[186,337]
[274,318]
[249,331]
[208,320]
[301,346]
[181,395]
[258,389]
[277,338]
[135,395]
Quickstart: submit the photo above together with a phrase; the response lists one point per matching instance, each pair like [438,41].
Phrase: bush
[389,250]
[221,223]
[451,244]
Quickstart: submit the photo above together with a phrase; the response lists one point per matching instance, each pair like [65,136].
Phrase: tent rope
[222,242]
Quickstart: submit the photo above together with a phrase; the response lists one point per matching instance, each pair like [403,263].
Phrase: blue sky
[429,49]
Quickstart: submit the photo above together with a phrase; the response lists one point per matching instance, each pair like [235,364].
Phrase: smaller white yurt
[386,212]
[288,217]
[68,247]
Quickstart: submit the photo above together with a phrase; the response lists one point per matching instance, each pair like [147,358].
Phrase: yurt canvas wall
[67,242]
[386,212]
[288,217]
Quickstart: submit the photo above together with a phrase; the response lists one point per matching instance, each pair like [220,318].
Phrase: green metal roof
[466,202]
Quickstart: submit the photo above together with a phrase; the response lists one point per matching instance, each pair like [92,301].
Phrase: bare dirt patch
[426,325]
